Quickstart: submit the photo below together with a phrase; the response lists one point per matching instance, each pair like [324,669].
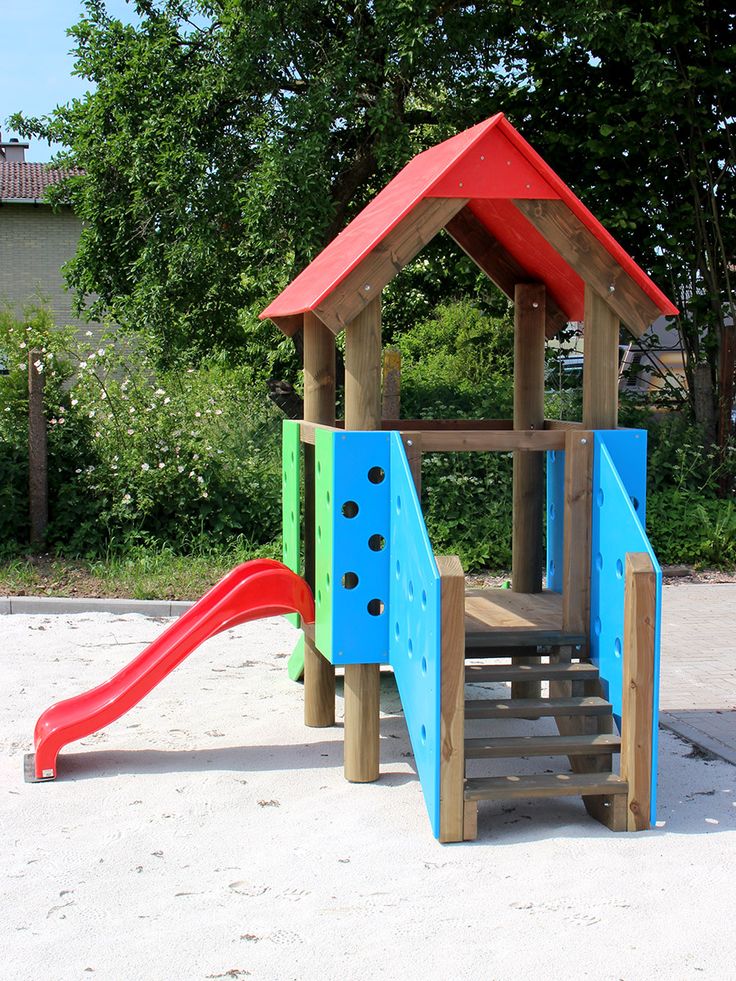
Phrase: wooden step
[483,673]
[496,747]
[534,708]
[484,643]
[544,785]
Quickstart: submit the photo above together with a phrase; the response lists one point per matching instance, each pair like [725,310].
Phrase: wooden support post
[637,711]
[38,489]
[452,698]
[319,406]
[391,400]
[363,411]
[526,547]
[600,363]
[576,539]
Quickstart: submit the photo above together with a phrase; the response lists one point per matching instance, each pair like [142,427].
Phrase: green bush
[685,527]
[140,458]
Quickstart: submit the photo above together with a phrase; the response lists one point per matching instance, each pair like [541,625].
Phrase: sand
[208,834]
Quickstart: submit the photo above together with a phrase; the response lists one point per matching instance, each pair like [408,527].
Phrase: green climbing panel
[291,501]
[324,474]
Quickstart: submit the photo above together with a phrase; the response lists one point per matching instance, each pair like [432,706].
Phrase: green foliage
[136,456]
[458,363]
[686,527]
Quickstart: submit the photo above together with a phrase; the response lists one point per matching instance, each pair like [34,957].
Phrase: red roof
[491,165]
[28,181]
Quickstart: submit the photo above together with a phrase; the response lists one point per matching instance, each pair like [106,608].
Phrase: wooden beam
[526,542]
[492,258]
[600,363]
[592,261]
[391,396]
[444,425]
[363,411]
[488,441]
[637,712]
[576,543]
[397,248]
[319,407]
[452,698]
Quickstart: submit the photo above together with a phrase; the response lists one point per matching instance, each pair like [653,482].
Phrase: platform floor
[501,617]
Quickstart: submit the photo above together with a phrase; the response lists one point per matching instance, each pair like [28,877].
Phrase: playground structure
[381,596]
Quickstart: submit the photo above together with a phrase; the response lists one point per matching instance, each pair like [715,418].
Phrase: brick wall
[35,242]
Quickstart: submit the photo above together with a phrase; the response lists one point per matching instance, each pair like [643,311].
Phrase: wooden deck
[502,618]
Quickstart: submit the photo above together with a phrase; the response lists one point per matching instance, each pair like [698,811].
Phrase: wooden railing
[637,710]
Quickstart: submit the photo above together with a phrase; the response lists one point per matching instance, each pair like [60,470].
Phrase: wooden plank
[442,425]
[487,441]
[534,708]
[500,642]
[585,254]
[391,395]
[479,674]
[470,820]
[319,407]
[543,785]
[452,698]
[510,747]
[497,263]
[378,268]
[493,608]
[363,412]
[576,541]
[555,424]
[637,712]
[600,363]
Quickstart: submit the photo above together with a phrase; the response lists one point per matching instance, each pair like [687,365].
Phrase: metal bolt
[528,186]
[583,441]
[535,305]
[367,287]
[460,184]
[611,288]
[410,442]
[482,157]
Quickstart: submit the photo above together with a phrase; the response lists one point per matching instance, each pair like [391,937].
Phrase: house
[35,240]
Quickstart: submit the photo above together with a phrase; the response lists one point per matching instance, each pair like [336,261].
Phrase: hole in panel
[350,509]
[376,543]
[375,607]
[376,475]
[350,580]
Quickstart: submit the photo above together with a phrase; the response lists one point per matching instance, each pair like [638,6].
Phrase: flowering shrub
[140,457]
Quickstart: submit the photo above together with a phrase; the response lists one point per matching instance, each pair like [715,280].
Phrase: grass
[136,573]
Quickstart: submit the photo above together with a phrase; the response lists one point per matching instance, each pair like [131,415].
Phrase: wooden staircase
[584,720]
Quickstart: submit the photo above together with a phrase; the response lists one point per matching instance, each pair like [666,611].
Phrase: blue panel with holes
[360,547]
[616,530]
[414,625]
[628,451]
[555,516]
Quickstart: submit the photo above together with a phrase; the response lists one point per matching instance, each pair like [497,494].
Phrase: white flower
[130,432]
[77,470]
[101,352]
[75,402]
[103,395]
[161,466]
[180,469]
[131,410]
[92,414]
[144,466]
[62,409]
[82,364]
[196,456]
[197,415]
[167,400]
[218,412]
[23,344]
[88,333]
[39,366]
[127,498]
[160,391]
[200,480]
[205,494]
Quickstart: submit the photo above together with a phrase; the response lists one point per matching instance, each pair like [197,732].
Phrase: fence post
[637,710]
[38,490]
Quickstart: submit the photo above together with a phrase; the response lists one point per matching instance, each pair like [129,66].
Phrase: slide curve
[255,589]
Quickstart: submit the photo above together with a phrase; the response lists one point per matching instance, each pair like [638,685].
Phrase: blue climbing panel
[555,518]
[352,493]
[618,502]
[414,625]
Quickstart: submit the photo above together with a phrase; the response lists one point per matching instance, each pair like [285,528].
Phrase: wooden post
[576,539]
[363,411]
[600,363]
[452,699]
[319,406]
[391,404]
[637,711]
[526,547]
[38,489]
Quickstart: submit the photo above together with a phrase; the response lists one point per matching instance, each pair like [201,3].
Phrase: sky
[36,66]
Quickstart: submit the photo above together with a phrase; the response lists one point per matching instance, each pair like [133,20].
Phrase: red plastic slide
[261,588]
